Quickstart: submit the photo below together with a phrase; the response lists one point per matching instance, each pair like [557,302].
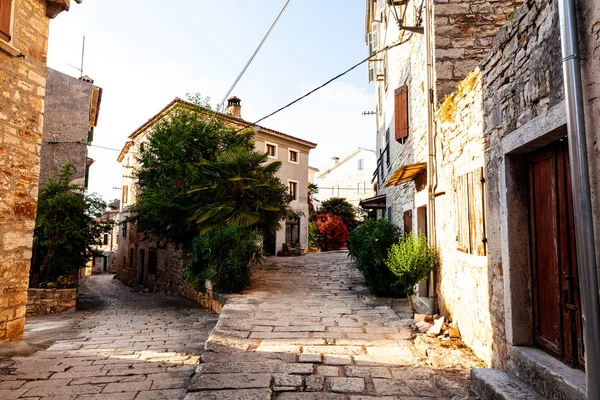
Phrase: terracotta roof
[126,148]
[238,120]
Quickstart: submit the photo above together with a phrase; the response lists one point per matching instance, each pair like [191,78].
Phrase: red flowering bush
[333,231]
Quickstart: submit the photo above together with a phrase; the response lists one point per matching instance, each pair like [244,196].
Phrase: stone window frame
[267,144]
[290,151]
[296,194]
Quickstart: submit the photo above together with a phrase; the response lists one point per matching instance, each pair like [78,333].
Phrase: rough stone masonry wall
[463,279]
[50,301]
[22,86]
[464,30]
[520,79]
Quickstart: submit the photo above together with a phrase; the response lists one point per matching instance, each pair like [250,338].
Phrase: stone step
[546,375]
[492,384]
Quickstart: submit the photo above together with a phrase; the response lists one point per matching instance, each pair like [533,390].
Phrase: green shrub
[411,261]
[223,256]
[342,208]
[315,239]
[368,246]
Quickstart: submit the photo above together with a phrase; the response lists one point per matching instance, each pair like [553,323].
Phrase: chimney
[87,79]
[234,107]
[335,160]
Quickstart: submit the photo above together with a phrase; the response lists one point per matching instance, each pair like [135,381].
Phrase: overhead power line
[325,84]
[264,39]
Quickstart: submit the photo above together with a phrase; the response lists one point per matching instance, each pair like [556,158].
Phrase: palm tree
[312,190]
[239,188]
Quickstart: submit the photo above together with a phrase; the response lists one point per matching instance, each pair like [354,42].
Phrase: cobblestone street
[307,329]
[126,345]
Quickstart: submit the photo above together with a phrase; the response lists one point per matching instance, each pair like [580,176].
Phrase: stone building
[460,34]
[349,178]
[23,47]
[110,241]
[139,260]
[508,273]
[71,113]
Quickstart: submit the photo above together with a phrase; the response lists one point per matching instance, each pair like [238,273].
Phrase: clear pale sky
[144,53]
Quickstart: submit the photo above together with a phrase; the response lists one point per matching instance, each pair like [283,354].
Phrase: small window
[271,150]
[361,164]
[152,261]
[106,239]
[361,188]
[142,147]
[470,212]
[124,229]
[293,156]
[389,214]
[125,196]
[117,239]
[293,186]
[6,20]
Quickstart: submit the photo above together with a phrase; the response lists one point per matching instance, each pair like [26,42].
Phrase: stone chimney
[335,160]
[234,107]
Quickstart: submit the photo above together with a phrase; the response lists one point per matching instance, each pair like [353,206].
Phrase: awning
[406,173]
[374,203]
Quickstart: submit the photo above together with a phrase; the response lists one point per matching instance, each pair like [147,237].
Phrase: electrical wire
[325,84]
[220,106]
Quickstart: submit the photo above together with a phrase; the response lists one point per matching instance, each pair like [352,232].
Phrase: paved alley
[308,329]
[123,345]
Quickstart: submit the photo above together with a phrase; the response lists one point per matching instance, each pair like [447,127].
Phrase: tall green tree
[68,228]
[342,208]
[170,168]
[240,188]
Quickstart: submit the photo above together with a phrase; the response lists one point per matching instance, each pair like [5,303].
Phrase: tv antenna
[80,69]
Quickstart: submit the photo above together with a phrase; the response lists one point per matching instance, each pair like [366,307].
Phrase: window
[105,239]
[124,229]
[470,211]
[361,188]
[361,164]
[389,214]
[125,196]
[293,158]
[117,239]
[387,149]
[142,147]
[6,20]
[292,232]
[293,187]
[401,113]
[271,150]
[152,261]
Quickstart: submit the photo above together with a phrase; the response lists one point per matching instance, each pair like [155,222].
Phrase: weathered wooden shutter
[462,213]
[401,112]
[408,222]
[5,19]
[477,213]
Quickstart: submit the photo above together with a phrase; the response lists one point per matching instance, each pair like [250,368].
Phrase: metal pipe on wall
[582,203]
[431,163]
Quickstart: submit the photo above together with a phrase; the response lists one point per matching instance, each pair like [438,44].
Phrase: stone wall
[66,125]
[463,280]
[464,30]
[22,87]
[511,105]
[50,301]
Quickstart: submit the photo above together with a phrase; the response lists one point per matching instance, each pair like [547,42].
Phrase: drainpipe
[582,204]
[431,233]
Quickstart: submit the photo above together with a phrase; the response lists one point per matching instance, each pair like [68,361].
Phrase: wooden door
[557,315]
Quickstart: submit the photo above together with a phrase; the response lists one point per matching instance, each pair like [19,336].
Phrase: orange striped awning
[406,173]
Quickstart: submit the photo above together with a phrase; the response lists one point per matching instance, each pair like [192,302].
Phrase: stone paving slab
[126,346]
[307,329]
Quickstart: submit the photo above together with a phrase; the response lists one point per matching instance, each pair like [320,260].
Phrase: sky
[144,53]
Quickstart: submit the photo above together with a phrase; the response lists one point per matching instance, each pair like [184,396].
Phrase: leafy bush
[411,261]
[67,230]
[223,256]
[368,246]
[342,208]
[315,240]
[332,230]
